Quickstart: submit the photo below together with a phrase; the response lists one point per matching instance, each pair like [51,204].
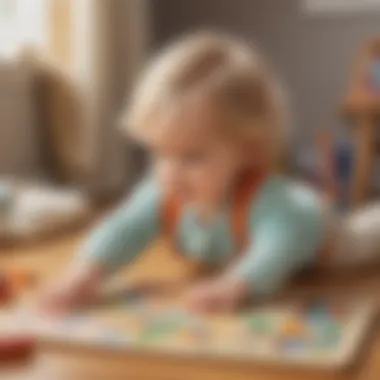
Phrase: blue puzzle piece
[293,345]
[318,310]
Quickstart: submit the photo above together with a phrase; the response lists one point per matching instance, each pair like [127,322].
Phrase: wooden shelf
[361,105]
[364,107]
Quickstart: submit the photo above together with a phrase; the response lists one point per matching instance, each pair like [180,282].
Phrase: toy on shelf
[361,105]
[328,167]
[343,158]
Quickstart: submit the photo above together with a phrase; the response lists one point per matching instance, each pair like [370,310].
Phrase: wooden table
[62,364]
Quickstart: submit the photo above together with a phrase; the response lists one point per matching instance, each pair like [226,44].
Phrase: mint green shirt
[285,222]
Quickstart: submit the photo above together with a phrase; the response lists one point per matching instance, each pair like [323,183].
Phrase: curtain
[113,48]
[95,48]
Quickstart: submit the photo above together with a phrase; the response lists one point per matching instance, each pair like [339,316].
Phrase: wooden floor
[58,364]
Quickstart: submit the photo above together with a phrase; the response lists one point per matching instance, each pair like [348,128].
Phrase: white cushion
[37,210]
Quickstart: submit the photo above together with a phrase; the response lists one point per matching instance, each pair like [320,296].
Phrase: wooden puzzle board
[319,333]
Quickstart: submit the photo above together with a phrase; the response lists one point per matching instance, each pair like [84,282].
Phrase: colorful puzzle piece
[294,326]
[260,324]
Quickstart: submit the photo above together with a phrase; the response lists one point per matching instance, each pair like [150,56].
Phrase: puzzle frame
[130,327]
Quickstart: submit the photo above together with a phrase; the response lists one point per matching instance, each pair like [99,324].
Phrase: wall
[312,53]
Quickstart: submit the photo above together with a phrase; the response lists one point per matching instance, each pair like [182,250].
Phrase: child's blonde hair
[229,70]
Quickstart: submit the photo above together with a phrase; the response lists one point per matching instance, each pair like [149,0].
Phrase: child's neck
[208,212]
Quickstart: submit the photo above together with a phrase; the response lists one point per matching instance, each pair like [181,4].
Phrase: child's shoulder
[283,193]
[289,203]
[145,194]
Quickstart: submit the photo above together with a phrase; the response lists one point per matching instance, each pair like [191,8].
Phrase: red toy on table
[15,346]
[13,282]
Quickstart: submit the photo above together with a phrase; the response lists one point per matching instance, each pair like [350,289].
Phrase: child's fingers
[195,299]
[213,299]
[203,300]
[49,303]
[54,301]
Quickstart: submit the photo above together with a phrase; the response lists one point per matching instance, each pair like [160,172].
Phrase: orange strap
[246,188]
[170,215]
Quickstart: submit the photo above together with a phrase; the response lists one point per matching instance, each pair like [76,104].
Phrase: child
[213,117]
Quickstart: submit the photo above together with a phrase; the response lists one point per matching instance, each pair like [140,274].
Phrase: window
[21,22]
[8,17]
[7,9]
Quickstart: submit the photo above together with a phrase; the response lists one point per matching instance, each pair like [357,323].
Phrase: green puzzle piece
[163,326]
[262,324]
[157,330]
[333,333]
[329,334]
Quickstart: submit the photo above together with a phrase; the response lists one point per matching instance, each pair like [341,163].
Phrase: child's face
[190,158]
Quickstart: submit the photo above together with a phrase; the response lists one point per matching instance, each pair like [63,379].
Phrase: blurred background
[66,67]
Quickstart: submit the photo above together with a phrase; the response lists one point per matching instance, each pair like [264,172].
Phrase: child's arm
[281,245]
[284,240]
[123,235]
[114,242]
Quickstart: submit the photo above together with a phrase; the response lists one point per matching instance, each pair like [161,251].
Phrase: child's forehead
[182,137]
[191,123]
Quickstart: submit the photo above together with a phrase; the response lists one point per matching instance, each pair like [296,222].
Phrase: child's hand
[219,294]
[74,290]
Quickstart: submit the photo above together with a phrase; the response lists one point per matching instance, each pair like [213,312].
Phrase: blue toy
[343,157]
[332,156]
